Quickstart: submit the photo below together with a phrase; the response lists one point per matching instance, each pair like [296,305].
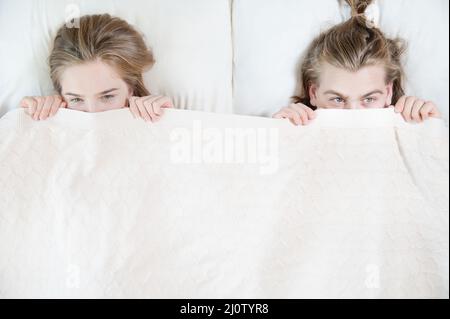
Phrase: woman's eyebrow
[107,91]
[73,94]
[101,93]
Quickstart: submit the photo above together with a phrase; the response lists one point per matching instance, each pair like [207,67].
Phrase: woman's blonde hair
[109,39]
[352,45]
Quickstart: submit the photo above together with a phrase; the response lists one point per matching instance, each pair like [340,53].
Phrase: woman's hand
[42,107]
[298,114]
[150,108]
[415,109]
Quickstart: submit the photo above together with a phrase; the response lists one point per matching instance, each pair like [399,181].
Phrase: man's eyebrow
[101,93]
[365,95]
[373,92]
[334,93]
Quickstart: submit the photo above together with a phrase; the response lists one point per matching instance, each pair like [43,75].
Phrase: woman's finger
[144,113]
[168,103]
[149,104]
[47,107]
[39,105]
[30,104]
[133,107]
[57,102]
[26,101]
[33,106]
[161,103]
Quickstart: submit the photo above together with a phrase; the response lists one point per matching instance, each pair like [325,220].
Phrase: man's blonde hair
[352,45]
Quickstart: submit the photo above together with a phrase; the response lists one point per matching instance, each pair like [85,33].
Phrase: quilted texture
[102,205]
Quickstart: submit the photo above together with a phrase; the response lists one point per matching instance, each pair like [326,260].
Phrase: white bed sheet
[95,205]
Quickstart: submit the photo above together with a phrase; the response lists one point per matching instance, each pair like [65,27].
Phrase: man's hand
[298,114]
[415,109]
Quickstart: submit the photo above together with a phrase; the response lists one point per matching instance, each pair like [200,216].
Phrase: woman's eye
[75,100]
[107,97]
[369,100]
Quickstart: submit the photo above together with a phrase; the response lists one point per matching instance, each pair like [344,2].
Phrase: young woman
[354,66]
[98,67]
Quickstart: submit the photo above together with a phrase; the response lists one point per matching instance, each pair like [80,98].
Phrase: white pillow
[269,38]
[424,25]
[271,35]
[191,41]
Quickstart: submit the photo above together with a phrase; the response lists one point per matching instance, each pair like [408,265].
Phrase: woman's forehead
[90,78]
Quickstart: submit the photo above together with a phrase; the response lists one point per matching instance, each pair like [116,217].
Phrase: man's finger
[415,112]
[400,105]
[409,103]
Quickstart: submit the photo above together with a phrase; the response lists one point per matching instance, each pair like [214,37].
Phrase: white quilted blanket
[205,205]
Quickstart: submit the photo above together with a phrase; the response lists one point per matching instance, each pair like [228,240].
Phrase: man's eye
[338,100]
[369,100]
[75,100]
